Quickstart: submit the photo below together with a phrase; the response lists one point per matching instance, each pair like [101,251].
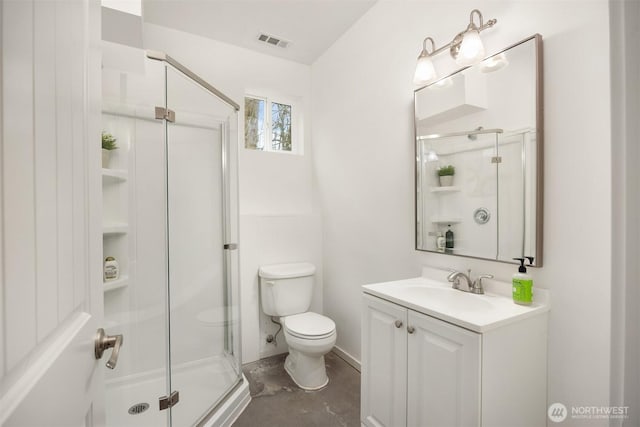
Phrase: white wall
[362,112]
[625,82]
[279,220]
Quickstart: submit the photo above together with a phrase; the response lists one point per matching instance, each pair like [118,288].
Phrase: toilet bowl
[309,336]
[285,291]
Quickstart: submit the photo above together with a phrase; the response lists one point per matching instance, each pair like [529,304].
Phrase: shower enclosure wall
[170,222]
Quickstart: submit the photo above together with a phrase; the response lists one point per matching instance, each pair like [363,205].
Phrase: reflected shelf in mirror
[449,189]
[446,220]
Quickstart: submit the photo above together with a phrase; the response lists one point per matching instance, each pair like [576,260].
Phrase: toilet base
[308,372]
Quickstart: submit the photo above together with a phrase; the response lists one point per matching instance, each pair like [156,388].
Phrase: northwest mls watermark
[558,412]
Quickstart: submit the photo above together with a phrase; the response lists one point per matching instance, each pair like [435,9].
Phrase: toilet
[286,291]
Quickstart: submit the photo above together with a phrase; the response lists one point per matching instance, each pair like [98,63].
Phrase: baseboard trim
[355,363]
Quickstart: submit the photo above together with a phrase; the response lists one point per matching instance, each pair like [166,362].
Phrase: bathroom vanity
[436,356]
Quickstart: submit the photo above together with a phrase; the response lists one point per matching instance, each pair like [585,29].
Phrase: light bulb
[425,71]
[444,83]
[471,49]
[494,63]
[432,156]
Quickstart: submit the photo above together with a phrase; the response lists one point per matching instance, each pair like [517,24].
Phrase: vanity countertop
[432,295]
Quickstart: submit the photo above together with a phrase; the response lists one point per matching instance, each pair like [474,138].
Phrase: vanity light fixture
[425,71]
[494,63]
[466,48]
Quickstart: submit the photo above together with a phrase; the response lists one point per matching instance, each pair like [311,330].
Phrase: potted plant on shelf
[445,174]
[108,144]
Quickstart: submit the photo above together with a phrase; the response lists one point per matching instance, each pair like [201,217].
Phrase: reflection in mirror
[479,158]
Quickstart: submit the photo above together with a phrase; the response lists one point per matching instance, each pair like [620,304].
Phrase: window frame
[296,124]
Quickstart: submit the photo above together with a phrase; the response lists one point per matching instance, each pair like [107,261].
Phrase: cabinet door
[384,363]
[443,374]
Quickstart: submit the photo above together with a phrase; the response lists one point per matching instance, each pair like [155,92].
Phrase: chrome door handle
[103,342]
[398,323]
[411,329]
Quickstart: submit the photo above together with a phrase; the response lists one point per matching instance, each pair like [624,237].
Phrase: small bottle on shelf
[449,239]
[111,269]
[440,242]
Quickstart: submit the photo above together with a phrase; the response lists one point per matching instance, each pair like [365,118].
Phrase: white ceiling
[310,25]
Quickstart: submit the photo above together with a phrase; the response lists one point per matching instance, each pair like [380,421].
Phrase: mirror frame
[539,91]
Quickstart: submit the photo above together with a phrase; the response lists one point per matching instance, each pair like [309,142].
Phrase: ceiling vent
[273,40]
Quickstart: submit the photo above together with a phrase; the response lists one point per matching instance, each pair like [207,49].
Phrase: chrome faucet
[455,276]
[473,286]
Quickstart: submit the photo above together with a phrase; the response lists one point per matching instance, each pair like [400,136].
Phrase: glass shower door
[134,234]
[204,364]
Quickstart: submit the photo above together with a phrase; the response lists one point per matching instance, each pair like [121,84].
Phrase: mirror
[479,142]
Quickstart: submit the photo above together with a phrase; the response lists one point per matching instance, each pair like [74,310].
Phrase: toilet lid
[309,324]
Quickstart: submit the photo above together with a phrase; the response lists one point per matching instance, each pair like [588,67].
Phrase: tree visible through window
[263,117]
[281,127]
[254,123]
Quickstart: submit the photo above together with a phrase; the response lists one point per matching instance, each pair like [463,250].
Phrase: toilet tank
[286,289]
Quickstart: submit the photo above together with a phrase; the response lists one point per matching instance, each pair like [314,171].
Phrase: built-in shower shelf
[121,282]
[445,220]
[114,175]
[450,189]
[115,228]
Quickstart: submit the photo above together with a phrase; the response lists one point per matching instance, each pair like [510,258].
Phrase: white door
[50,257]
[443,374]
[384,363]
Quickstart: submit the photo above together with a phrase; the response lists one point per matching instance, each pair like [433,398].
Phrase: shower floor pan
[200,384]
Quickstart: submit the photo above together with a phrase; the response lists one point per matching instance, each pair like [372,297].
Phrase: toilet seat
[309,325]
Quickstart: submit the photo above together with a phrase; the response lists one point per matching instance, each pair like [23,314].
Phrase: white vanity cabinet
[420,371]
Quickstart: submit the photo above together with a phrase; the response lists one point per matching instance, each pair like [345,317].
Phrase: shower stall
[170,223]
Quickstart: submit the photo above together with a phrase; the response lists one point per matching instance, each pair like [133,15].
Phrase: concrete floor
[277,402]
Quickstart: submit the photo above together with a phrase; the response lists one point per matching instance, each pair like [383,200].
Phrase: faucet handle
[477,284]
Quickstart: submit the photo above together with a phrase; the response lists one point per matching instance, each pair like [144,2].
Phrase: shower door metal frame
[161,56]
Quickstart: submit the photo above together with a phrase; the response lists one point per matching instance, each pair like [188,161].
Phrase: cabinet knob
[411,329]
[398,323]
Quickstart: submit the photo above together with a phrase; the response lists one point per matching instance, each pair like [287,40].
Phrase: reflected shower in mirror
[479,158]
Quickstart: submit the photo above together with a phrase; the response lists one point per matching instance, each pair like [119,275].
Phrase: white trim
[355,363]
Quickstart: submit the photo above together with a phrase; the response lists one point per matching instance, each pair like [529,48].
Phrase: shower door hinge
[496,159]
[169,401]
[164,113]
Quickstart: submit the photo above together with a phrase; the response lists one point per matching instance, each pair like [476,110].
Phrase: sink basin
[478,312]
[448,298]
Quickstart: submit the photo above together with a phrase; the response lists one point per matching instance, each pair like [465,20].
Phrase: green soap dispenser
[523,283]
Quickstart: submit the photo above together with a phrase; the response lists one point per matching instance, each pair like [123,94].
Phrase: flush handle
[104,342]
[398,323]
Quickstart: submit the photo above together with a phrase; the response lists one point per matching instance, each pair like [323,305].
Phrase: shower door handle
[104,342]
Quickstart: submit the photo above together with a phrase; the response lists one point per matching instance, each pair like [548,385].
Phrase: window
[269,125]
